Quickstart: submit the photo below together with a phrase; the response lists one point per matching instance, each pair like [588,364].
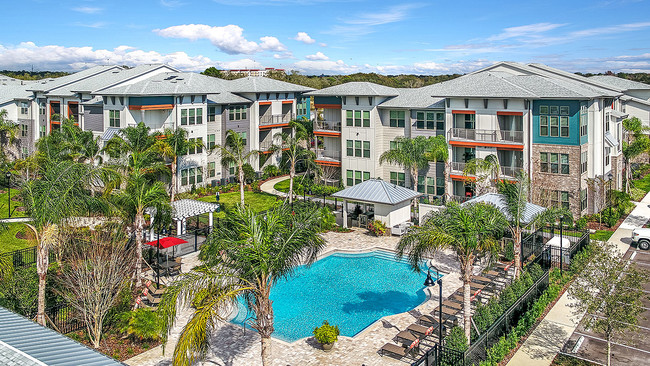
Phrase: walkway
[269,187]
[561,321]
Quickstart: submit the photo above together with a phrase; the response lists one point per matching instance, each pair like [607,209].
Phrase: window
[355,177]
[25,152]
[583,124]
[243,136]
[349,178]
[557,198]
[41,109]
[357,148]
[421,186]
[24,108]
[366,149]
[564,126]
[302,107]
[554,109]
[398,178]
[42,131]
[440,186]
[211,141]
[564,199]
[397,118]
[357,118]
[191,116]
[607,152]
[430,120]
[237,113]
[554,163]
[555,131]
[195,149]
[199,147]
[349,119]
[543,109]
[583,199]
[212,169]
[350,147]
[564,110]
[199,175]
[212,114]
[231,168]
[24,130]
[394,145]
[607,126]
[543,125]
[113,118]
[583,162]
[184,177]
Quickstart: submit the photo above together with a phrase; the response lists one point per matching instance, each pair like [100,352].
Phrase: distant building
[252,72]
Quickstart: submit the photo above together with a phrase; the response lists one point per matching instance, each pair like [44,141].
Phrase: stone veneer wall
[571,182]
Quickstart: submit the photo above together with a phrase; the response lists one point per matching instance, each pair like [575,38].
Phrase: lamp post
[428,283]
[561,243]
[8,175]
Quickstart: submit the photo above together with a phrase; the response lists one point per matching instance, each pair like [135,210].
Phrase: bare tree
[597,187]
[610,290]
[97,267]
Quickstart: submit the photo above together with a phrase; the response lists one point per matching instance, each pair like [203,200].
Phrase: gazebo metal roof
[499,201]
[185,208]
[377,191]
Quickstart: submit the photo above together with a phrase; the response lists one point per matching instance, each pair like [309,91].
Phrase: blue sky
[331,37]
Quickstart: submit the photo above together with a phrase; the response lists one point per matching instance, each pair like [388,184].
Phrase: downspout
[530,145]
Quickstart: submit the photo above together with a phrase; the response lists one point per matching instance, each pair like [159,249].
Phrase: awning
[166,242]
[617,114]
[109,133]
[611,141]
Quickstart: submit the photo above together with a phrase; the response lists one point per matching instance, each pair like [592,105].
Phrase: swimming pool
[348,290]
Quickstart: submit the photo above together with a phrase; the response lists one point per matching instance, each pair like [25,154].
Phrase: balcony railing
[511,171]
[486,135]
[334,126]
[276,119]
[328,155]
[458,166]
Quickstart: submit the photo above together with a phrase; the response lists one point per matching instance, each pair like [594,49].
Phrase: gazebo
[186,208]
[384,201]
[498,200]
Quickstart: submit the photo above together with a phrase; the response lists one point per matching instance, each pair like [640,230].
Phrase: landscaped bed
[17,236]
[116,345]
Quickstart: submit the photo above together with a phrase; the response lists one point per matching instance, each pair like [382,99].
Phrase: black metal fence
[536,246]
[440,355]
[24,257]
[64,318]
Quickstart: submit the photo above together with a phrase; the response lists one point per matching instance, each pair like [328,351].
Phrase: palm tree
[171,145]
[414,154]
[294,152]
[516,196]
[134,148]
[470,230]
[70,142]
[138,195]
[247,255]
[234,152]
[60,192]
[633,147]
[8,134]
[484,169]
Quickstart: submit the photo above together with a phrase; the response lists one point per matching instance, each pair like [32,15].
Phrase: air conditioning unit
[215,182]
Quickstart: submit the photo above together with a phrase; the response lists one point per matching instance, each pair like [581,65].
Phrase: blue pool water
[349,290]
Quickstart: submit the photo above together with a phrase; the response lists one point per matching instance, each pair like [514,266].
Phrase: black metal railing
[535,246]
[24,257]
[440,356]
[62,318]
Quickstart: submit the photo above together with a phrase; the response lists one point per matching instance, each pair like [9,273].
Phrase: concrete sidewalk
[561,321]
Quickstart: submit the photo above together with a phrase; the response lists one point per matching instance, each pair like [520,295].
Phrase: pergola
[392,203]
[186,208]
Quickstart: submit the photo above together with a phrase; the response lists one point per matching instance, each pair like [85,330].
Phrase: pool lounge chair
[421,331]
[398,350]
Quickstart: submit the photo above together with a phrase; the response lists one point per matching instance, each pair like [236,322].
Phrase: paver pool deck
[232,346]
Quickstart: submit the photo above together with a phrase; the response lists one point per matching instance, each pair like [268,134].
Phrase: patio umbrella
[167,242]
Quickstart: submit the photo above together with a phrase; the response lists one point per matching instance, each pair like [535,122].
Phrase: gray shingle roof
[227,98]
[499,201]
[14,91]
[574,80]
[621,83]
[628,98]
[377,191]
[356,88]
[414,98]
[46,345]
[260,84]
[485,84]
[170,83]
[51,84]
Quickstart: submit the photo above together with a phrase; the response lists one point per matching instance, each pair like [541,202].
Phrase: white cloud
[229,38]
[171,3]
[88,9]
[325,67]
[245,63]
[322,44]
[283,55]
[524,30]
[304,38]
[95,25]
[317,56]
[364,23]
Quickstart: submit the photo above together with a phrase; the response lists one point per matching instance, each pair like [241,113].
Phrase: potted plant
[326,334]
[378,228]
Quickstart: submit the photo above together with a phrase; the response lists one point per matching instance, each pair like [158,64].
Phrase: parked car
[641,236]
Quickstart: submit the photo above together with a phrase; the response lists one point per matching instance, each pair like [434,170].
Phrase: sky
[326,37]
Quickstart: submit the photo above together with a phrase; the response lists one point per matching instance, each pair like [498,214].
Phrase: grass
[643,183]
[4,212]
[566,360]
[256,201]
[601,235]
[283,185]
[8,240]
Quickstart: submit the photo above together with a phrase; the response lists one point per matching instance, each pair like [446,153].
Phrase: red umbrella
[166,242]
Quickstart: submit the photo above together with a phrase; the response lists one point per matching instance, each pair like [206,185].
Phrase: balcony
[511,171]
[328,157]
[327,128]
[276,120]
[265,146]
[458,166]
[481,135]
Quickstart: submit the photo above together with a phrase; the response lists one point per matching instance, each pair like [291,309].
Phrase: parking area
[629,349]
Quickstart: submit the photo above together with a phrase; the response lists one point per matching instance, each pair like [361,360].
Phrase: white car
[641,236]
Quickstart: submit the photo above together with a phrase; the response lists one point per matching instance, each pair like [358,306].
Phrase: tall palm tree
[8,134]
[60,192]
[134,148]
[470,230]
[247,255]
[516,196]
[70,142]
[294,152]
[138,195]
[414,154]
[234,152]
[172,144]
[487,169]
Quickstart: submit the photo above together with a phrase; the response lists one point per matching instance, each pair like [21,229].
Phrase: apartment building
[252,72]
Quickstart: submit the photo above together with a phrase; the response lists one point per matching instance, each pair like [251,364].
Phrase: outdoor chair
[428,320]
[153,290]
[398,350]
[153,300]
[420,330]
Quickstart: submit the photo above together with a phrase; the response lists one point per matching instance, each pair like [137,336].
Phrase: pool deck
[232,346]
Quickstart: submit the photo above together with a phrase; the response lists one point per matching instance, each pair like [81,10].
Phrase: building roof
[261,84]
[621,83]
[356,88]
[185,208]
[51,84]
[169,83]
[24,341]
[485,84]
[413,98]
[12,92]
[377,191]
[227,98]
[628,98]
[499,201]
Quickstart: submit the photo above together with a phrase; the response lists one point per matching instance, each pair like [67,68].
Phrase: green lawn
[257,201]
[8,240]
[4,212]
[601,235]
[283,185]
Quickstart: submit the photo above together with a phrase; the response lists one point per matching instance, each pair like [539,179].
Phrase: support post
[210,220]
[345,214]
[179,227]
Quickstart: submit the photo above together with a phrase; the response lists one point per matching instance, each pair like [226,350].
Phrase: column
[345,214]
[210,220]
[179,227]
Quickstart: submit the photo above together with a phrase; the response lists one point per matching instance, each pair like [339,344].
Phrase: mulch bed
[115,346]
[25,234]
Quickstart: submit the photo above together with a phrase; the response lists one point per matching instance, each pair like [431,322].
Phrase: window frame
[113,116]
[397,118]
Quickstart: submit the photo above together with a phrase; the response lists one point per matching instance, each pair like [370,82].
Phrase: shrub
[329,219]
[271,171]
[255,186]
[377,227]
[509,252]
[456,339]
[141,323]
[581,223]
[326,333]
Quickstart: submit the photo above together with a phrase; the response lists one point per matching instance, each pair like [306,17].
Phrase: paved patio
[232,346]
